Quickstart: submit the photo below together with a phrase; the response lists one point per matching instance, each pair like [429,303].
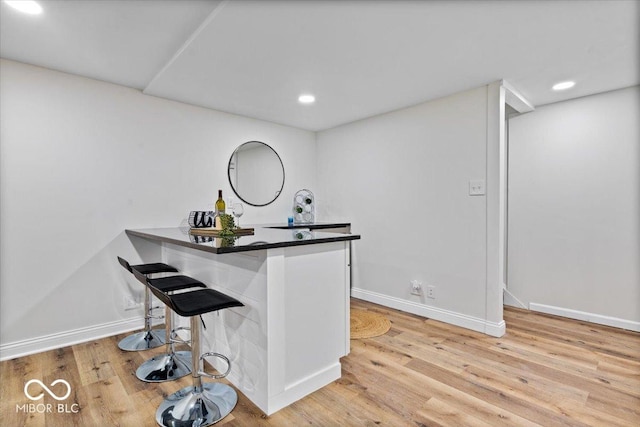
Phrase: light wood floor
[545,371]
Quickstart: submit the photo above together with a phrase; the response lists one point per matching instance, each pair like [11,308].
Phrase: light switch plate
[476,187]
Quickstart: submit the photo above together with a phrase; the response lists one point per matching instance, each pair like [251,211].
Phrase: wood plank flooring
[546,371]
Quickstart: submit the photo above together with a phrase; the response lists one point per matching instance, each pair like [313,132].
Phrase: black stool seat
[151,268]
[200,301]
[176,283]
[191,303]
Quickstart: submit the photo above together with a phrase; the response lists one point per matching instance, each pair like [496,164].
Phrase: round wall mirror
[256,173]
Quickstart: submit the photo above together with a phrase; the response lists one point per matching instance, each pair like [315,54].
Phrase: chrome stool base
[191,408]
[143,340]
[165,367]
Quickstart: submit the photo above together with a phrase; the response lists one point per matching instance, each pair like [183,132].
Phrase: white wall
[402,179]
[574,206]
[82,160]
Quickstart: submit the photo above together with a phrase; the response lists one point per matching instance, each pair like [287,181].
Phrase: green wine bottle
[220,205]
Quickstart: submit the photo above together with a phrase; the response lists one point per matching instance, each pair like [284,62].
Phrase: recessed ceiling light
[306,99]
[563,85]
[26,6]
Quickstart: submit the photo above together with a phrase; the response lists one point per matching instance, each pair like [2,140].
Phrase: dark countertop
[314,226]
[265,237]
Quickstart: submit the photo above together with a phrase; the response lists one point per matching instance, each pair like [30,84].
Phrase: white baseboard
[457,319]
[587,317]
[67,338]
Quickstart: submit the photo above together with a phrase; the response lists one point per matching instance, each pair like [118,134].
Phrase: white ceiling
[360,58]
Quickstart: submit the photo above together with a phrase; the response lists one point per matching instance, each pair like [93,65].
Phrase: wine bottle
[220,205]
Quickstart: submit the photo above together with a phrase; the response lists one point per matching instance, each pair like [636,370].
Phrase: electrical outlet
[416,287]
[476,187]
[431,292]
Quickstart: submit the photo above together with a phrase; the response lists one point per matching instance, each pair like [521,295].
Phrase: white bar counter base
[287,341]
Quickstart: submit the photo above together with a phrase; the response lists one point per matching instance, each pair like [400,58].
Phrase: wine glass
[237,210]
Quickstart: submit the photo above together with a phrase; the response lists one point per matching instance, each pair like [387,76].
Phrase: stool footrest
[220,356]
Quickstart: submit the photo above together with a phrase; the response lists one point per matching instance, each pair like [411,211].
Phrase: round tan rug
[366,324]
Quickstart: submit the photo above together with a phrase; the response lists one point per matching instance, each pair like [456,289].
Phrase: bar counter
[266,236]
[287,341]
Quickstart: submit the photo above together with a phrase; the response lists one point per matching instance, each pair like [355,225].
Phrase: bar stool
[200,404]
[172,364]
[148,338]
